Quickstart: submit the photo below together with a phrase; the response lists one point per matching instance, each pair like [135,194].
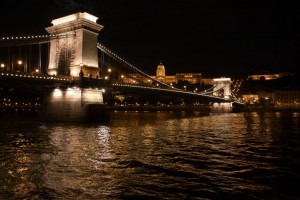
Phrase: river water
[153,155]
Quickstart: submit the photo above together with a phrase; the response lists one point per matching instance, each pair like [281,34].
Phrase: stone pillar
[74,105]
[73,45]
[222,86]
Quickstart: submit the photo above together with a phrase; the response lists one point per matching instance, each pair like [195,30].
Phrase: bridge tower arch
[73,45]
[222,87]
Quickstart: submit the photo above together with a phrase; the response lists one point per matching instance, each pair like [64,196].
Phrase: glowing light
[109,70]
[92,96]
[2,65]
[221,79]
[20,62]
[74,17]
[71,91]
[57,93]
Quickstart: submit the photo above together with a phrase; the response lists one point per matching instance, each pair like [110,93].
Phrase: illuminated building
[287,98]
[250,98]
[193,78]
[268,76]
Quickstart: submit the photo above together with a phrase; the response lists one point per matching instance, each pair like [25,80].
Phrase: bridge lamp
[37,70]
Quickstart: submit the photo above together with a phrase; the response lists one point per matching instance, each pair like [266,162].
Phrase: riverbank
[270,109]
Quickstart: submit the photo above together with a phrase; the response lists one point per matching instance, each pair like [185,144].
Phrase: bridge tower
[222,87]
[73,46]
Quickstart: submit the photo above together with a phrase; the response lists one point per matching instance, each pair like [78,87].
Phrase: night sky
[215,38]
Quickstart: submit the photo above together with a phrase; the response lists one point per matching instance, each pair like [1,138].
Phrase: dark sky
[215,38]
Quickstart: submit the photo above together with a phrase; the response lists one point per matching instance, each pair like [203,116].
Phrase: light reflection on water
[153,155]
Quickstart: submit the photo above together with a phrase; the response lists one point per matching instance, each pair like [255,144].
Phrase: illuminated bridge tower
[73,52]
[222,87]
[73,45]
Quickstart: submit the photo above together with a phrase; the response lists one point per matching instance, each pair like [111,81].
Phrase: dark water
[153,156]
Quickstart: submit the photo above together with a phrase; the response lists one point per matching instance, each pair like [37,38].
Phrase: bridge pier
[223,107]
[74,105]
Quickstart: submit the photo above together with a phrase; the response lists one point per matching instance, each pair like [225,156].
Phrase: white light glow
[221,79]
[74,17]
[57,93]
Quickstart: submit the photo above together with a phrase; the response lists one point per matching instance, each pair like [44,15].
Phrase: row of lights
[20,62]
[34,36]
[25,37]
[178,91]
[32,76]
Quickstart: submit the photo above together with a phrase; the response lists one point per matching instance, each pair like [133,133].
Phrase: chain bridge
[73,76]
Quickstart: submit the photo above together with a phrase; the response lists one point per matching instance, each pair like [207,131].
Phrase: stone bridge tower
[73,46]
[222,86]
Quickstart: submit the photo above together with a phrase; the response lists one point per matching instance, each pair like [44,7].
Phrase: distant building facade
[287,98]
[268,76]
[193,78]
[250,98]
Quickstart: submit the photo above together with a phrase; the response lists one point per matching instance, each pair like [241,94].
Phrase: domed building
[193,78]
[160,72]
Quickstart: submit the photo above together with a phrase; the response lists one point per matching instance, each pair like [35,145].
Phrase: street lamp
[20,62]
[2,65]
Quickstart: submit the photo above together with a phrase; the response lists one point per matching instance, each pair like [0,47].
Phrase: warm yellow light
[2,65]
[73,17]
[37,70]
[109,70]
[57,93]
[20,62]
